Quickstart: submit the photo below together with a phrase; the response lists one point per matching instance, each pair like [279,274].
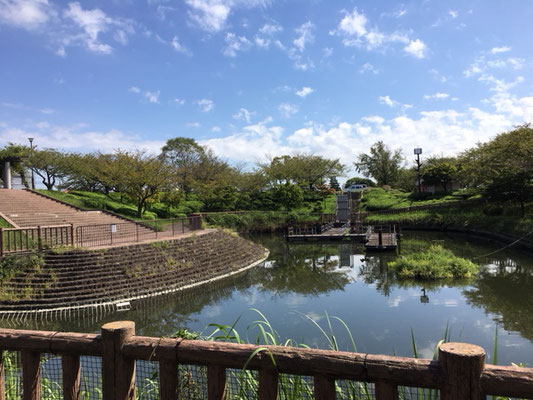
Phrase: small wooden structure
[459,373]
[382,238]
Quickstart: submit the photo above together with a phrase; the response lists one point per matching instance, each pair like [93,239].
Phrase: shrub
[435,263]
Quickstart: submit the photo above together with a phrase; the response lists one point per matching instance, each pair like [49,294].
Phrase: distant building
[453,185]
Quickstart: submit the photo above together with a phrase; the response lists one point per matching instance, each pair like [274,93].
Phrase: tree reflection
[505,290]
[309,269]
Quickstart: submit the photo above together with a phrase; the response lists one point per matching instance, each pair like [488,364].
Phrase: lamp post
[418,151]
[31,154]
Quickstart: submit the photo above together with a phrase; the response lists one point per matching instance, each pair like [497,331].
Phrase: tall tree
[144,176]
[184,155]
[49,165]
[503,167]
[382,164]
[440,171]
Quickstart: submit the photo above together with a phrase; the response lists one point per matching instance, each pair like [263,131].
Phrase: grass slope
[377,199]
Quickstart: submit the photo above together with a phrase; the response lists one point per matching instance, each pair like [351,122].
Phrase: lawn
[377,199]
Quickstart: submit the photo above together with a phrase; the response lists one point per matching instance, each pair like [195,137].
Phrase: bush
[435,263]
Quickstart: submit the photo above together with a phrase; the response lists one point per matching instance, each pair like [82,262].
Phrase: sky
[255,79]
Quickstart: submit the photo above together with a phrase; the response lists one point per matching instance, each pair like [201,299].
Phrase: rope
[503,248]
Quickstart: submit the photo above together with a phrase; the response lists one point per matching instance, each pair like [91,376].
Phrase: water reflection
[311,279]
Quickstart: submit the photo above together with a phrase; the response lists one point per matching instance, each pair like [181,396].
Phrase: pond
[302,284]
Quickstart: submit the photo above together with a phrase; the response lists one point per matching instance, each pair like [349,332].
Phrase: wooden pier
[380,238]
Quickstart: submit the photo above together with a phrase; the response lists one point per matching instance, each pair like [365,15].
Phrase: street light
[31,154]
[418,151]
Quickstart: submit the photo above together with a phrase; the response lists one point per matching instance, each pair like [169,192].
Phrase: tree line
[500,169]
[183,171]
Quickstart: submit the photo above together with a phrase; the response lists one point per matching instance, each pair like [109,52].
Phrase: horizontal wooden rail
[459,373]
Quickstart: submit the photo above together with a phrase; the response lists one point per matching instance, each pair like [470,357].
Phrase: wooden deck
[387,241]
[329,235]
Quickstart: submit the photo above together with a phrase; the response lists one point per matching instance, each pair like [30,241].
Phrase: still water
[301,283]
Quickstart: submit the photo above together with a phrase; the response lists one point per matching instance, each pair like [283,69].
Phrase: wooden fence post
[168,380]
[216,382]
[462,365]
[268,385]
[386,391]
[324,387]
[31,375]
[70,365]
[118,373]
[2,377]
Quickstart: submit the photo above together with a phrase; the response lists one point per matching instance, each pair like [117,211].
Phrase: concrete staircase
[26,208]
[77,278]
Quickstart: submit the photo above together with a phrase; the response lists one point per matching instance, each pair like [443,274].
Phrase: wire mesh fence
[240,384]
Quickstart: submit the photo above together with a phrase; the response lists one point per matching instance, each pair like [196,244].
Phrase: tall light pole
[418,151]
[31,154]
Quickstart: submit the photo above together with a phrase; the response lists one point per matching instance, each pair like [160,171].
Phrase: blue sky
[253,79]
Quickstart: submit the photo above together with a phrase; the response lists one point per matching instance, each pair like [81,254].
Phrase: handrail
[459,373]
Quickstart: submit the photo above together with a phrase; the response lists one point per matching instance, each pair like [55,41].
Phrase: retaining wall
[105,277]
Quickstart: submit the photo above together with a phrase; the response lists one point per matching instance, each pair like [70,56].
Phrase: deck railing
[459,373]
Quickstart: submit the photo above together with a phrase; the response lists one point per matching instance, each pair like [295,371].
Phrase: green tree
[503,167]
[184,155]
[16,155]
[289,196]
[382,164]
[440,171]
[49,165]
[144,177]
[334,183]
[358,181]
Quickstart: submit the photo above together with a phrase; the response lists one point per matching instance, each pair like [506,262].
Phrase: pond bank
[113,277]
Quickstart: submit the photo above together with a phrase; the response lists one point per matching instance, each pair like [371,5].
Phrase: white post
[7,175]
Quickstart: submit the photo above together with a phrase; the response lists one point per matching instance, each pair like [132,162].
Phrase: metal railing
[34,238]
[459,372]
[111,234]
[38,238]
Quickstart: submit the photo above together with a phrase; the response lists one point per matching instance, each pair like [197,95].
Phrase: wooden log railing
[459,373]
[35,238]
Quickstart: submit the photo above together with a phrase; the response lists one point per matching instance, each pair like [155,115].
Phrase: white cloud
[212,15]
[436,96]
[193,125]
[27,14]
[244,115]
[453,14]
[304,92]
[234,44]
[355,31]
[216,129]
[368,68]
[328,52]
[93,23]
[205,105]
[178,46]
[288,110]
[78,138]
[416,48]
[438,76]
[152,97]
[178,101]
[270,29]
[497,50]
[388,101]
[305,35]
[134,89]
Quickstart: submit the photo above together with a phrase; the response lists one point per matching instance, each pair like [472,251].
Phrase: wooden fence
[459,373]
[34,238]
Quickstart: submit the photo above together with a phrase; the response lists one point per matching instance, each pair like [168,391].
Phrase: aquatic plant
[434,263]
